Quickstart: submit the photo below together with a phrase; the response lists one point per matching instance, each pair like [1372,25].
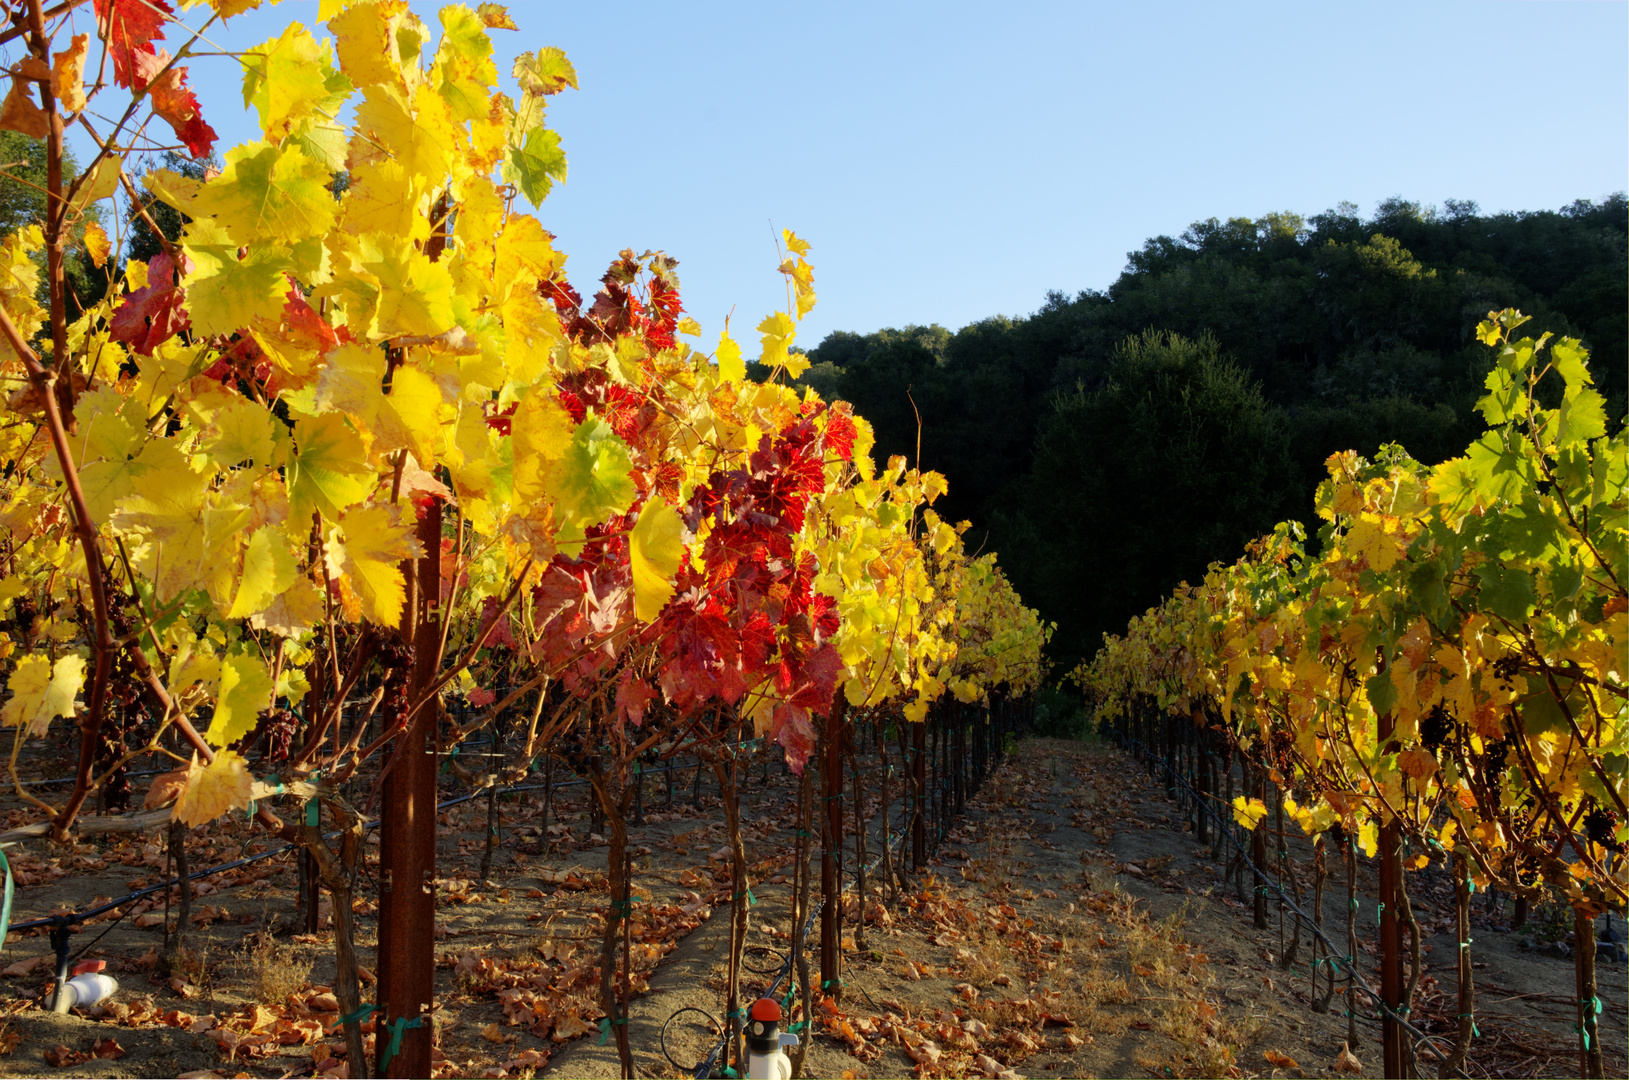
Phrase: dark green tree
[22,202]
[1139,484]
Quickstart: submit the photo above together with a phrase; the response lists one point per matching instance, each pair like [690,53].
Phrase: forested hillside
[1114,443]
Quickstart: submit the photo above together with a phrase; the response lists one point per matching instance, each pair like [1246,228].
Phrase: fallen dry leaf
[570,1026]
[108,1048]
[1347,1061]
[494,1033]
[61,1057]
[24,968]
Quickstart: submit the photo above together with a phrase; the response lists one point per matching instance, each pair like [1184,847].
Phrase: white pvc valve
[86,991]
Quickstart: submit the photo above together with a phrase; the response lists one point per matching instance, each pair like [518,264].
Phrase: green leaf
[1540,714]
[329,470]
[1582,417]
[537,164]
[1506,592]
[1426,582]
[1571,359]
[1382,692]
[594,480]
[1497,471]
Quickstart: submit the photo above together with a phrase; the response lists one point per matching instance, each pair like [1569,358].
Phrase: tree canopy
[1098,423]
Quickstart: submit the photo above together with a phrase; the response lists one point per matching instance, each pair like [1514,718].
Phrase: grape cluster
[1436,727]
[1601,825]
[396,657]
[275,733]
[1495,754]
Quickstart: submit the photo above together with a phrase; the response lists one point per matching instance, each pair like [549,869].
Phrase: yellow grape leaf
[655,550]
[1419,764]
[385,198]
[68,75]
[109,449]
[464,64]
[549,72]
[268,571]
[364,40]
[269,193]
[417,131]
[246,688]
[1369,838]
[235,430]
[363,552]
[212,790]
[41,692]
[283,79]
[731,368]
[542,431]
[97,245]
[225,293]
[778,330]
[407,418]
[414,294]
[1249,812]
[496,17]
[189,536]
[328,472]
[292,612]
[689,327]
[793,243]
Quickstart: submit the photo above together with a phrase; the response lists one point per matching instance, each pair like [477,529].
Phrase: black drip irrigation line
[705,1069]
[1375,999]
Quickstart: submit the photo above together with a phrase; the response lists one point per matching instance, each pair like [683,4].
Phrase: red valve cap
[767,1010]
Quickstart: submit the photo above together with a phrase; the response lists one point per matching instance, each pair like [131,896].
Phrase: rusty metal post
[407,908]
[831,849]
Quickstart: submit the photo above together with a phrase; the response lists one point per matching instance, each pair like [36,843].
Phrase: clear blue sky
[951,161]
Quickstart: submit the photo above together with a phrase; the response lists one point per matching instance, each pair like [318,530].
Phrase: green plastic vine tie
[832,982]
[5,905]
[397,1027]
[357,1017]
[1591,1002]
[605,1027]
[1580,1029]
[751,900]
[797,1027]
[1475,1031]
[1466,943]
[1379,912]
[311,812]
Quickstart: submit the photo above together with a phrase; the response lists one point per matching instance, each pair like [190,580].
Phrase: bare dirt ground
[1070,925]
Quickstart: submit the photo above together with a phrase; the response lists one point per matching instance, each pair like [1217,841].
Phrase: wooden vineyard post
[831,847]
